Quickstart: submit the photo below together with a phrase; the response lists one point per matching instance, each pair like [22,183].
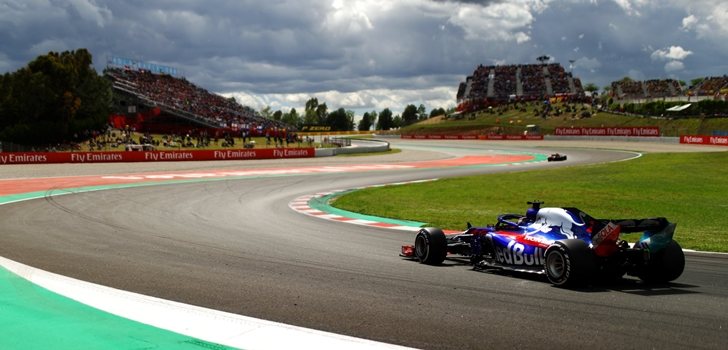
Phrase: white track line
[202,323]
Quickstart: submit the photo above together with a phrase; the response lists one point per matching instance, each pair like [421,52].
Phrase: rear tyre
[569,263]
[430,246]
[666,265]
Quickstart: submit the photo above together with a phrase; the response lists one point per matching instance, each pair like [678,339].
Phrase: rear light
[408,251]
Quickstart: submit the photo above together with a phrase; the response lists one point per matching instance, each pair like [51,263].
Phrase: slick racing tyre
[430,246]
[569,263]
[665,265]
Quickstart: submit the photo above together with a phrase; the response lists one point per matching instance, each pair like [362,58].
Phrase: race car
[556,157]
[569,246]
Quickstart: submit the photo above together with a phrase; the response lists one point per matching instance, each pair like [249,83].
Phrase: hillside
[512,121]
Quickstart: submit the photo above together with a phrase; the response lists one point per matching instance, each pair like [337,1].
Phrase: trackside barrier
[358,146]
[329,133]
[704,140]
[473,137]
[153,156]
[639,131]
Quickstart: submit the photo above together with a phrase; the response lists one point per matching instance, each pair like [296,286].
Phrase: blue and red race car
[567,245]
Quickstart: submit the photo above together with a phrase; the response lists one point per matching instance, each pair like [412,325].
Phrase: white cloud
[351,17]
[372,54]
[631,7]
[674,66]
[718,18]
[507,21]
[360,101]
[590,64]
[89,11]
[626,5]
[672,53]
[707,18]
[689,22]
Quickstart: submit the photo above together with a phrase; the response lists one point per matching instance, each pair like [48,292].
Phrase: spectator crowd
[179,95]
[711,86]
[497,84]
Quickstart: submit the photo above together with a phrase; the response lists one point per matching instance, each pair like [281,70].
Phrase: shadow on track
[628,285]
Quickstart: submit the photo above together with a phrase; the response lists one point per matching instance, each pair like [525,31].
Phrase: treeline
[59,98]
[54,99]
[316,113]
[706,108]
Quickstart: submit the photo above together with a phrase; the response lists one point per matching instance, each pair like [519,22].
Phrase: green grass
[689,189]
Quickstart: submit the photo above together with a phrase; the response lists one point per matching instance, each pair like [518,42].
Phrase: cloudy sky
[373,54]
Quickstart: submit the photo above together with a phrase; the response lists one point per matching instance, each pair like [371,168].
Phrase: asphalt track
[235,245]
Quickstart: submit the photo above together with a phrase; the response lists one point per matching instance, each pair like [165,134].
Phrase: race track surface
[235,245]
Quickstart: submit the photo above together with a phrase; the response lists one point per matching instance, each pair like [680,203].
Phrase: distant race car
[556,157]
[567,245]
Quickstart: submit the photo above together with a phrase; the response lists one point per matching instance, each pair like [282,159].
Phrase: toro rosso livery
[567,245]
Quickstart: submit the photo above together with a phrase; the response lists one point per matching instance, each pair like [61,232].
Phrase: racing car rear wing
[641,225]
[626,225]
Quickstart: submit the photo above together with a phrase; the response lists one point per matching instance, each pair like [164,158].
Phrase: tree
[409,116]
[437,112]
[695,82]
[373,116]
[266,112]
[340,120]
[397,122]
[292,118]
[278,115]
[591,88]
[53,98]
[322,112]
[365,123]
[421,112]
[350,115]
[310,116]
[385,120]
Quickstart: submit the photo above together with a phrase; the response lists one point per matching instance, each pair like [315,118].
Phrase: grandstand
[711,86]
[155,100]
[495,85]
[627,90]
[637,90]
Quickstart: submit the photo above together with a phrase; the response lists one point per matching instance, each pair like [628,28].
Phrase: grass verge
[690,189]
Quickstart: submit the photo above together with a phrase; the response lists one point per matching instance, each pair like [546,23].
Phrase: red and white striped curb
[301,205]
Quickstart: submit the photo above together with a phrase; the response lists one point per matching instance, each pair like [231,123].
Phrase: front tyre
[569,263]
[430,246]
[666,265]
